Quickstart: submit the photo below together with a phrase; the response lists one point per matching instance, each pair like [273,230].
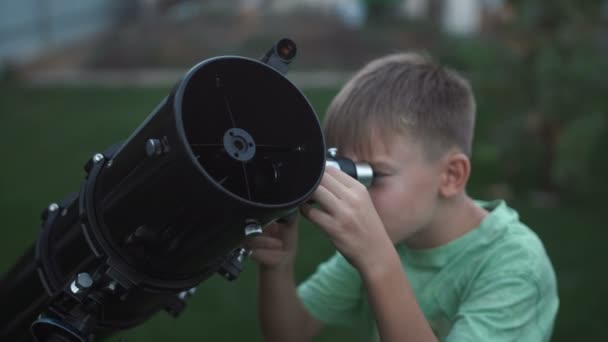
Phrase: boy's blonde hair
[407,94]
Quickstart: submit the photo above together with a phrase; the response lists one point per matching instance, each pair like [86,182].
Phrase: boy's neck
[455,218]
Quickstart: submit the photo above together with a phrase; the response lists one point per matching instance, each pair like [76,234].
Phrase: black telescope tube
[228,138]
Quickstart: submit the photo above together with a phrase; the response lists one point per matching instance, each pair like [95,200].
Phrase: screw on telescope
[154,147]
[233,264]
[97,158]
[112,286]
[187,293]
[244,253]
[253,229]
[332,151]
[82,282]
[51,208]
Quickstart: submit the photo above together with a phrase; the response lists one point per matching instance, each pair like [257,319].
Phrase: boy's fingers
[336,187]
[271,229]
[266,256]
[342,177]
[321,218]
[262,241]
[288,219]
[326,199]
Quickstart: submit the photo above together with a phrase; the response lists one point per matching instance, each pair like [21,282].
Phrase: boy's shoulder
[501,246]
[506,245]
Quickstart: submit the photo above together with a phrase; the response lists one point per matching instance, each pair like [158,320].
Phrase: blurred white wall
[462,17]
[29,27]
[352,13]
[415,9]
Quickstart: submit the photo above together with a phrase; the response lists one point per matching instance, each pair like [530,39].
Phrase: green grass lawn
[47,134]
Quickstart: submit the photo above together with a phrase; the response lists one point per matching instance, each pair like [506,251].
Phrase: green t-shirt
[495,283]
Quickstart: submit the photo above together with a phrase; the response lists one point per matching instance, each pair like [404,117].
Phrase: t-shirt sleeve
[505,308]
[333,294]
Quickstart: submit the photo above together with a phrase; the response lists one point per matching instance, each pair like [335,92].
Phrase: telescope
[234,147]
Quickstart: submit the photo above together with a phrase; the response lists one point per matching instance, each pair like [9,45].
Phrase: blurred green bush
[539,79]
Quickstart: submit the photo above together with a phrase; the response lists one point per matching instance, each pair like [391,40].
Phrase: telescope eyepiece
[360,171]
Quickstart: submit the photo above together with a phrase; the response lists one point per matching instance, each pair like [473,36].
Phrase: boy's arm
[282,315]
[398,315]
[349,218]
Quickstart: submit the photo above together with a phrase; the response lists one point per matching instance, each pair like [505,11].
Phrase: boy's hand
[347,214]
[275,248]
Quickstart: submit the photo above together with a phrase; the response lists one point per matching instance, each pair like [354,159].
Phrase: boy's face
[405,190]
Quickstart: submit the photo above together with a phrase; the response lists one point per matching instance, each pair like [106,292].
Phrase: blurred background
[78,76]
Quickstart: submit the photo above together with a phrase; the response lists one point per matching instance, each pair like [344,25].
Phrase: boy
[417,260]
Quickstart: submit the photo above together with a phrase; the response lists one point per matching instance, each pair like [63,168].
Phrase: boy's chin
[412,239]
[402,238]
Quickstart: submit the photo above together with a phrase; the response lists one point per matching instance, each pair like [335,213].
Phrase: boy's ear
[455,175]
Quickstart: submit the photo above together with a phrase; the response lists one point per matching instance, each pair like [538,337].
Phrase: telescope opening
[252,131]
